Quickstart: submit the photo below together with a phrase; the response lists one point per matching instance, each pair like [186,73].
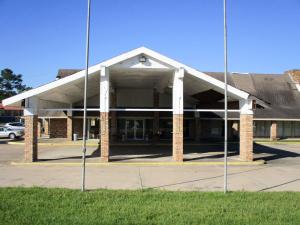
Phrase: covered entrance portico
[139,95]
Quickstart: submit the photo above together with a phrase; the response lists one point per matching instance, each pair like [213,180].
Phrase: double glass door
[135,129]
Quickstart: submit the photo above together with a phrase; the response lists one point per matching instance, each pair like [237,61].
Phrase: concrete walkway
[281,173]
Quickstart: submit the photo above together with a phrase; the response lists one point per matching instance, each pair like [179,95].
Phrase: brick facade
[178,137]
[273,131]
[31,144]
[104,142]
[246,137]
[58,128]
[69,128]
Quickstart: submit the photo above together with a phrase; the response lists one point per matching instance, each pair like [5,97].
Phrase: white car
[15,126]
[6,132]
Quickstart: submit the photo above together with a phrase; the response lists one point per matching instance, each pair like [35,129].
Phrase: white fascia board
[49,86]
[143,50]
[231,90]
[138,51]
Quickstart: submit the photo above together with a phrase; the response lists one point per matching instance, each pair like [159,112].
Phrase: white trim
[276,119]
[142,50]
[49,86]
[104,89]
[177,91]
[143,110]
[246,106]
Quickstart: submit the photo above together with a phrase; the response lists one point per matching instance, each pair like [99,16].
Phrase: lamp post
[225,99]
[85,94]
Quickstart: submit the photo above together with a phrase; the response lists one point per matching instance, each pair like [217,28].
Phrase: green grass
[61,206]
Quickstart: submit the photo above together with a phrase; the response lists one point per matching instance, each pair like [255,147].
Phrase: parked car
[6,132]
[15,126]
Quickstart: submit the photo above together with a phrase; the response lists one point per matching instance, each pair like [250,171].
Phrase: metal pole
[225,99]
[85,94]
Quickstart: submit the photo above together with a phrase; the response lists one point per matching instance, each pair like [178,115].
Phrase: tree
[11,84]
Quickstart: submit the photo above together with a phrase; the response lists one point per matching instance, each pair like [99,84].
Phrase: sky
[39,37]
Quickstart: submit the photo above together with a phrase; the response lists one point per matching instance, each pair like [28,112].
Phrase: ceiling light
[142,59]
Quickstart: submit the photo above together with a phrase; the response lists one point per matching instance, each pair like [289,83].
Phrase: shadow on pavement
[274,153]
[279,185]
[209,151]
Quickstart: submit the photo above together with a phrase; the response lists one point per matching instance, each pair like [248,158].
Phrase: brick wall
[58,128]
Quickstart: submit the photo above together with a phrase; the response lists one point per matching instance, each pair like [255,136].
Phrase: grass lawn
[62,206]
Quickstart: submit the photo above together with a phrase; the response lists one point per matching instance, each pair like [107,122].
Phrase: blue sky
[39,37]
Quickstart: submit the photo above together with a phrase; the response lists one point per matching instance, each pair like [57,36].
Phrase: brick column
[178,115]
[46,126]
[246,137]
[39,128]
[70,128]
[178,137]
[31,148]
[113,117]
[273,131]
[155,116]
[104,121]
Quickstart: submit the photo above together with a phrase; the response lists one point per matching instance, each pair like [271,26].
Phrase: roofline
[142,50]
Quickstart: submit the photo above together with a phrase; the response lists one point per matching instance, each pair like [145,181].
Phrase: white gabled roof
[142,50]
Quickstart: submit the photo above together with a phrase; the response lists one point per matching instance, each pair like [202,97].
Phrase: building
[142,95]
[10,114]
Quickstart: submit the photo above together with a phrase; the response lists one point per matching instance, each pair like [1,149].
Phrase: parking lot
[281,171]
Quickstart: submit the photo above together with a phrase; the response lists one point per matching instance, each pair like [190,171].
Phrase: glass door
[134,129]
[139,129]
[130,129]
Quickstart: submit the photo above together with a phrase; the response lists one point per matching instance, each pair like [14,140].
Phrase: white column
[104,113]
[178,115]
[104,89]
[178,91]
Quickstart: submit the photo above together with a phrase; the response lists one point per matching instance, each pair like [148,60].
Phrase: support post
[69,125]
[273,131]
[39,128]
[104,114]
[178,115]
[31,130]
[246,130]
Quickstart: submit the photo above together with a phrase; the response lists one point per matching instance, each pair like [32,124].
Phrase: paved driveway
[282,171]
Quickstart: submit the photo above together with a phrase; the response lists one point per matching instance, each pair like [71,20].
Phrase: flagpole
[225,99]
[85,94]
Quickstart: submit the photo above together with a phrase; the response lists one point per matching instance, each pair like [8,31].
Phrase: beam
[142,110]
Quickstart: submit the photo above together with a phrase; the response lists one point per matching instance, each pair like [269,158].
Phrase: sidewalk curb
[254,163]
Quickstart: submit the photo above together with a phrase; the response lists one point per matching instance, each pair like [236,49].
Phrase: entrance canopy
[141,68]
